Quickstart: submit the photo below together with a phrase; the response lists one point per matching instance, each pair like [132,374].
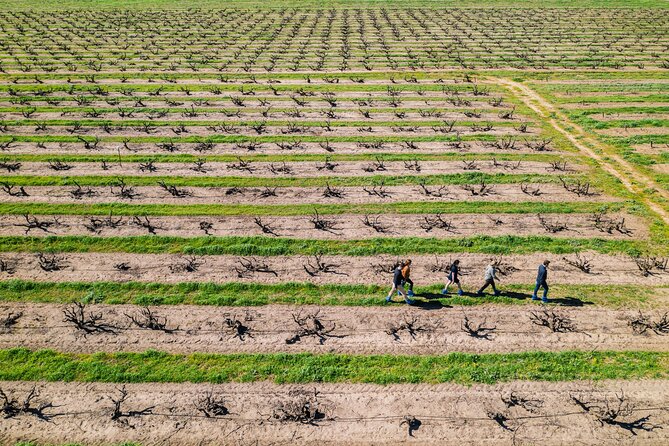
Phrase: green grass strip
[234,181]
[461,368]
[455,207]
[259,139]
[20,5]
[266,246]
[238,123]
[293,157]
[292,293]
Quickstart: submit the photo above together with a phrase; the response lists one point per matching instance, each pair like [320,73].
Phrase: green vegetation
[255,294]
[174,4]
[295,157]
[460,368]
[232,181]
[266,246]
[453,207]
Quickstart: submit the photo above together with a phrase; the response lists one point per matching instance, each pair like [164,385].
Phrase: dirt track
[89,267]
[361,330]
[353,414]
[350,227]
[552,193]
[105,148]
[302,169]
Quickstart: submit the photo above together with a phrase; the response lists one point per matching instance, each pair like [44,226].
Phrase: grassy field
[152,366]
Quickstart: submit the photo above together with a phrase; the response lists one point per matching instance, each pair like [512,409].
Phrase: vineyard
[201,211]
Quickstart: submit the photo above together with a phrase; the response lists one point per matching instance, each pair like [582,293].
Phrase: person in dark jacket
[542,281]
[406,277]
[454,278]
[397,285]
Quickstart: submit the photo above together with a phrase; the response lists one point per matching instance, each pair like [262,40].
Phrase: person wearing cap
[489,278]
[542,281]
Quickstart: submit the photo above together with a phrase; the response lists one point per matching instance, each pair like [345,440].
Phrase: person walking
[454,278]
[542,277]
[397,285]
[406,277]
[489,277]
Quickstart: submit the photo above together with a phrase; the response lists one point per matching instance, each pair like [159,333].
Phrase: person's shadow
[431,302]
[566,301]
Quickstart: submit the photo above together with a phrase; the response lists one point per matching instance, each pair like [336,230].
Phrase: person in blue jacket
[542,281]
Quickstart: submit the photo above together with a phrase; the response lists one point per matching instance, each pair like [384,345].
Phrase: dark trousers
[409,282]
[488,283]
[543,285]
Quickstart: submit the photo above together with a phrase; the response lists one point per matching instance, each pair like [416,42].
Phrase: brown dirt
[195,130]
[657,149]
[606,82]
[356,414]
[212,113]
[612,92]
[637,131]
[295,195]
[360,330]
[628,116]
[578,105]
[345,226]
[297,169]
[266,148]
[606,269]
[661,168]
[260,82]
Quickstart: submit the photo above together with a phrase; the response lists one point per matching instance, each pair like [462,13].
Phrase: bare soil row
[634,131]
[333,227]
[363,330]
[246,168]
[270,113]
[113,148]
[169,268]
[299,195]
[193,129]
[354,414]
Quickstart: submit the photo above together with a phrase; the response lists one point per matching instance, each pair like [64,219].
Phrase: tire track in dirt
[624,172]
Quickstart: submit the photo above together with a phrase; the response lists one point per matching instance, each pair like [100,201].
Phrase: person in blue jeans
[398,278]
[542,277]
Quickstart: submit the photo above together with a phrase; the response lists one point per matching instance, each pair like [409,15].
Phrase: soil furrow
[363,330]
[294,195]
[316,226]
[168,268]
[246,168]
[139,148]
[353,414]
